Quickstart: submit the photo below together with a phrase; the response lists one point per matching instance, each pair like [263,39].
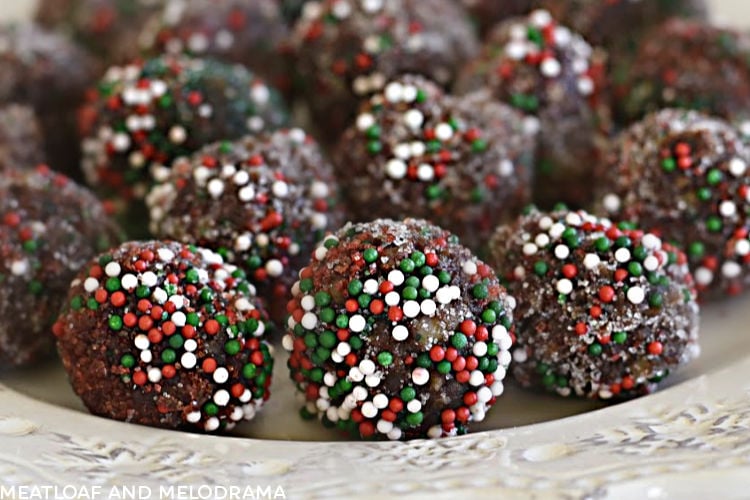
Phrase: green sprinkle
[191,276]
[115,323]
[595,349]
[211,409]
[444,367]
[168,356]
[306,285]
[112,284]
[418,258]
[459,340]
[30,246]
[668,164]
[540,268]
[249,370]
[355,287]
[407,265]
[409,293]
[713,224]
[128,361]
[619,337]
[370,255]
[385,358]
[328,339]
[714,176]
[602,244]
[696,249]
[635,269]
[76,303]
[489,316]
[480,291]
[322,299]
[407,394]
[414,418]
[232,347]
[176,341]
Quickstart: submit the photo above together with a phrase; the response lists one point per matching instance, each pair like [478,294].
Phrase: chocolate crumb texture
[166,335]
[21,142]
[604,311]
[49,228]
[396,331]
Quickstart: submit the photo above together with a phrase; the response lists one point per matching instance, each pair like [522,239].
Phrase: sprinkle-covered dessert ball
[263,203]
[618,24]
[685,175]
[551,73]
[21,144]
[47,72]
[349,49]
[688,64]
[109,29]
[49,227]
[603,311]
[249,32]
[145,115]
[463,163]
[397,331]
[487,13]
[167,335]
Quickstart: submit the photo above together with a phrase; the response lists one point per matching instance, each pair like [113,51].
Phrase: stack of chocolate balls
[350,180]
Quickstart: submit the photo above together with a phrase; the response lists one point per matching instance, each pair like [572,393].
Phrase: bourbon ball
[21,142]
[49,228]
[347,50]
[550,72]
[688,64]
[145,115]
[47,72]
[464,163]
[166,335]
[604,311]
[398,332]
[685,174]
[263,203]
[109,29]
[252,33]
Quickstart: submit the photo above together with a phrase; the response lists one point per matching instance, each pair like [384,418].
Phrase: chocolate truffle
[21,143]
[487,13]
[348,50]
[263,203]
[145,115]
[618,24]
[108,29]
[397,331]
[252,33]
[47,72]
[685,175]
[49,227]
[603,311]
[167,335]
[550,72]
[688,64]
[463,163]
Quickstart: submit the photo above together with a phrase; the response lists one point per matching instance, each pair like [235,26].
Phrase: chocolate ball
[109,29]
[348,50]
[21,142]
[463,163]
[685,175]
[261,202]
[397,331]
[167,335]
[604,311]
[546,70]
[47,72]
[252,33]
[49,227]
[147,114]
[688,64]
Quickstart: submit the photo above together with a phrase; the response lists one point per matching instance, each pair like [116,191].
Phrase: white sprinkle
[365,121]
[541,240]
[141,341]
[307,302]
[731,269]
[357,323]
[392,298]
[179,319]
[469,267]
[550,67]
[367,367]
[160,295]
[414,406]
[319,190]
[193,417]
[146,356]
[611,203]
[395,434]
[212,424]
[622,255]
[165,254]
[188,360]
[177,135]
[727,208]
[368,410]
[343,348]
[309,321]
[396,169]
[476,378]
[215,188]
[384,426]
[479,349]
[530,249]
[420,376]
[402,151]
[585,85]
[359,393]
[400,333]
[90,285]
[413,118]
[280,189]
[742,247]
[380,401]
[651,263]
[636,295]
[428,307]
[393,92]
[430,283]
[221,397]
[484,394]
[411,308]
[370,287]
[564,286]
[562,252]
[274,268]
[444,132]
[651,241]
[444,295]
[737,167]
[154,375]
[540,18]
[221,375]
[396,277]
[591,261]
[545,223]
[703,276]
[112,269]
[372,380]
[247,193]
[129,282]
[417,148]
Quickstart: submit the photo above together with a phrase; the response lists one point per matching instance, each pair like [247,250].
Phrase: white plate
[690,439]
